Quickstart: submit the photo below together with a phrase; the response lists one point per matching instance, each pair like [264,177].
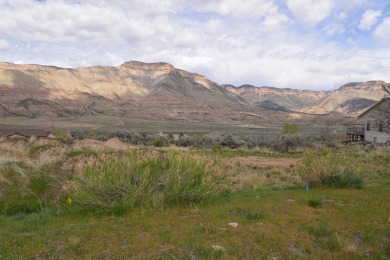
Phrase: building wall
[16,136]
[374,116]
[381,138]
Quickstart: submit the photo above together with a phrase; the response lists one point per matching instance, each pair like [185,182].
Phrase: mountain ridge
[134,89]
[289,99]
[159,90]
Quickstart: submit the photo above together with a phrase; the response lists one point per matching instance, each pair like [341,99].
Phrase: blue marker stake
[307,187]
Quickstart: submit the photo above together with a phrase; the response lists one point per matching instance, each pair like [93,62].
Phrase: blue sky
[305,44]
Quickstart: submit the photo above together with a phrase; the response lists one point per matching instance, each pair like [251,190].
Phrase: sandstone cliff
[134,89]
[350,99]
[280,99]
[160,91]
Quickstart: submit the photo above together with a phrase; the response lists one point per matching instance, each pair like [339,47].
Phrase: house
[22,133]
[377,122]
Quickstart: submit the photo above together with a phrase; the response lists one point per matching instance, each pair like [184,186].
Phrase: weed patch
[327,168]
[34,150]
[326,237]
[248,214]
[314,203]
[84,152]
[122,183]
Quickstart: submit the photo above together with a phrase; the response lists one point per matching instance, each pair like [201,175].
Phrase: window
[368,126]
[381,123]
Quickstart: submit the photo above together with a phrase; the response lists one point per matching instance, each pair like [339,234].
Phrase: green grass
[315,203]
[82,152]
[271,224]
[226,153]
[171,178]
[329,168]
[276,216]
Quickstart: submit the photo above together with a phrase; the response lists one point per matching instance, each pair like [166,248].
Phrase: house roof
[23,132]
[386,99]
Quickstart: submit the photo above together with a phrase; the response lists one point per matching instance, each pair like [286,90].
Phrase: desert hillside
[134,89]
[350,99]
[160,91]
[276,98]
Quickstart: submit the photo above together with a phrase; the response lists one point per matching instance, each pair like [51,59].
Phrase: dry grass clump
[118,184]
[328,168]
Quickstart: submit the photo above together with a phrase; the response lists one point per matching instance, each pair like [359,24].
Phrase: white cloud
[228,41]
[4,44]
[311,12]
[351,4]
[342,15]
[334,29]
[383,29]
[235,8]
[369,19]
[90,58]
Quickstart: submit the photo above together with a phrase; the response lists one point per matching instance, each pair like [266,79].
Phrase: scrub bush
[173,178]
[327,168]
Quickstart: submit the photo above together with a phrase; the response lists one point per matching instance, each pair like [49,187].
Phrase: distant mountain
[284,99]
[160,91]
[134,89]
[350,99]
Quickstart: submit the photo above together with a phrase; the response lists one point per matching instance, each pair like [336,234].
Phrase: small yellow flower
[69,201]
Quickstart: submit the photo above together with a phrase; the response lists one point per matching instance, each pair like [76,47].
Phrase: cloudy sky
[306,44]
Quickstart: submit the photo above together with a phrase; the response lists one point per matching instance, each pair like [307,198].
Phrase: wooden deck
[355,133]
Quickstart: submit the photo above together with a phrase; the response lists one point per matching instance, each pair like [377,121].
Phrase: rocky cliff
[350,99]
[134,89]
[280,99]
[160,91]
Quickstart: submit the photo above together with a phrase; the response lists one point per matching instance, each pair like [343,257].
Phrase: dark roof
[23,132]
[374,106]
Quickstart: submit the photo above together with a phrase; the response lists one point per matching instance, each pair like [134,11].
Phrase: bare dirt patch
[116,144]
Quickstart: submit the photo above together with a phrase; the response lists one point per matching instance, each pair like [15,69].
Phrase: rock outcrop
[134,89]
[160,91]
[350,99]
[284,99]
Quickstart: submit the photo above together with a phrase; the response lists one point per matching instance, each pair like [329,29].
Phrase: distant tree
[92,134]
[290,128]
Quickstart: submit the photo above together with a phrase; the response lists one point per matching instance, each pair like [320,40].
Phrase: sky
[300,44]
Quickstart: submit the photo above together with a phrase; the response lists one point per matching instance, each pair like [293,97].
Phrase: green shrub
[160,142]
[84,151]
[24,189]
[290,128]
[92,134]
[185,141]
[57,133]
[314,203]
[327,168]
[250,215]
[170,179]
[34,150]
[230,141]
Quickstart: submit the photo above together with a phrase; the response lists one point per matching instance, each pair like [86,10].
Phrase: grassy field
[271,223]
[109,123]
[260,208]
